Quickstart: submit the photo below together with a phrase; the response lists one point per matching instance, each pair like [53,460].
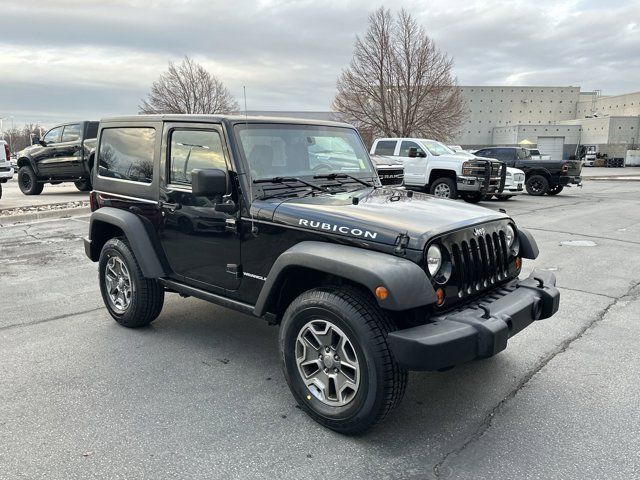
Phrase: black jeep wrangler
[259,215]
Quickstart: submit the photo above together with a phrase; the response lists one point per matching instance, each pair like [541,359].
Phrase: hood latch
[402,241]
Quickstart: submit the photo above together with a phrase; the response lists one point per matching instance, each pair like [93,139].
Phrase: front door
[68,153]
[199,241]
[45,157]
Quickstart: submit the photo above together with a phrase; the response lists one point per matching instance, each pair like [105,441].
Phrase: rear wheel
[131,299]
[555,190]
[444,188]
[537,185]
[28,182]
[336,359]
[83,185]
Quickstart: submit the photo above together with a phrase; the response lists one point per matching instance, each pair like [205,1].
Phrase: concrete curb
[613,179]
[45,214]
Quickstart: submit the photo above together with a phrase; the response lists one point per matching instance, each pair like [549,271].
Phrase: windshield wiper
[284,180]
[334,176]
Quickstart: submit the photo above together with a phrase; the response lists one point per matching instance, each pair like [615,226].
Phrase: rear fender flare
[138,234]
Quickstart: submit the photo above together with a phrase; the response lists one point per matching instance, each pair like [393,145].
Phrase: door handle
[171,207]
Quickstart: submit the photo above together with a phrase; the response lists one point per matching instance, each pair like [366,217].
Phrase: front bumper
[567,180]
[476,184]
[478,330]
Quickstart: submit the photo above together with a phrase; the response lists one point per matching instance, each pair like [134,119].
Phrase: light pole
[11,137]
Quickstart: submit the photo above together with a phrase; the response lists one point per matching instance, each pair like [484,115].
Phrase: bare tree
[20,138]
[188,88]
[398,83]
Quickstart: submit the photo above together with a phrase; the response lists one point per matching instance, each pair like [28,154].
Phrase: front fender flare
[137,233]
[407,284]
[528,245]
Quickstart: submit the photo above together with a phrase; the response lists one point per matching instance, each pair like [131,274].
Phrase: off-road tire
[83,185]
[147,295]
[382,381]
[474,197]
[555,190]
[446,181]
[537,185]
[28,182]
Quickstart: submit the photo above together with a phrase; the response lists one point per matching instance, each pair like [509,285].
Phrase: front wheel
[537,185]
[28,182]
[555,190]
[83,185]
[444,188]
[474,197]
[132,299]
[336,359]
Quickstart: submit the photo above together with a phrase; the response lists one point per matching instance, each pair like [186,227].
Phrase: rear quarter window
[127,153]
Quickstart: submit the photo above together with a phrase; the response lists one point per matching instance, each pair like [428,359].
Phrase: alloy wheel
[442,190]
[327,363]
[118,283]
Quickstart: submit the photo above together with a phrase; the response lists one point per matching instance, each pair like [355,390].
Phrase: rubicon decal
[329,227]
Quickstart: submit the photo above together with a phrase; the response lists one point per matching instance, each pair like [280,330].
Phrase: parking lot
[200,393]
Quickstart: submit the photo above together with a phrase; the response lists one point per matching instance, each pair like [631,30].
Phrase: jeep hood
[379,215]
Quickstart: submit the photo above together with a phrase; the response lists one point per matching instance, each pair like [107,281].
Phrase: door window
[386,147]
[53,135]
[71,133]
[406,145]
[191,149]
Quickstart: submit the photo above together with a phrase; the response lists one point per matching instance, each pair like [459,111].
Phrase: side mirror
[209,182]
[414,153]
[42,142]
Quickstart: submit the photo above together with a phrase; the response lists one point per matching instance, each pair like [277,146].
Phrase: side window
[406,145]
[192,149]
[53,135]
[126,153]
[71,133]
[385,147]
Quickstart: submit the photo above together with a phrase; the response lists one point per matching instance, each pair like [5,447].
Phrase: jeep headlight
[511,236]
[434,259]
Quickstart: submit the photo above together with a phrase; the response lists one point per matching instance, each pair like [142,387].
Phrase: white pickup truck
[6,170]
[432,166]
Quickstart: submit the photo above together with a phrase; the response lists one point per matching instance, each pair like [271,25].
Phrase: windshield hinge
[402,241]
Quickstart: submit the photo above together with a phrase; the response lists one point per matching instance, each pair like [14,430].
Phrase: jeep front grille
[480,262]
[479,259]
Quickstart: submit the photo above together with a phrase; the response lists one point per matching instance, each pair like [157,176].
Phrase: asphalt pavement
[200,393]
[65,192]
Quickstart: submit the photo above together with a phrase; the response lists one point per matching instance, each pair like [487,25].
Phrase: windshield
[437,148]
[274,150]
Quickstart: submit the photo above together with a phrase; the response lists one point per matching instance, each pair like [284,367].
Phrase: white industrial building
[554,119]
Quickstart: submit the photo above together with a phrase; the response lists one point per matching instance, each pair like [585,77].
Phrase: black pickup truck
[64,154]
[365,281]
[541,176]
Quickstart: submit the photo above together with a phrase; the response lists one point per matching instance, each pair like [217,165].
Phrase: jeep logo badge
[479,232]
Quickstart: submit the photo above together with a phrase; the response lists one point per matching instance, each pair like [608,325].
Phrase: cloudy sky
[71,59]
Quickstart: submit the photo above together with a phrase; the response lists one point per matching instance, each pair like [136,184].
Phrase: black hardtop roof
[233,119]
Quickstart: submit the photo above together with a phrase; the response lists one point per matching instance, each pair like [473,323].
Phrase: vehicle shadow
[439,409]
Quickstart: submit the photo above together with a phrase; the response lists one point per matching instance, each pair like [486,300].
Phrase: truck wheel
[131,299]
[444,188]
[28,182]
[83,185]
[555,190]
[473,197]
[537,185]
[333,345]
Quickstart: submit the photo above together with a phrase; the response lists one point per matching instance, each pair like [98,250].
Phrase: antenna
[254,229]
